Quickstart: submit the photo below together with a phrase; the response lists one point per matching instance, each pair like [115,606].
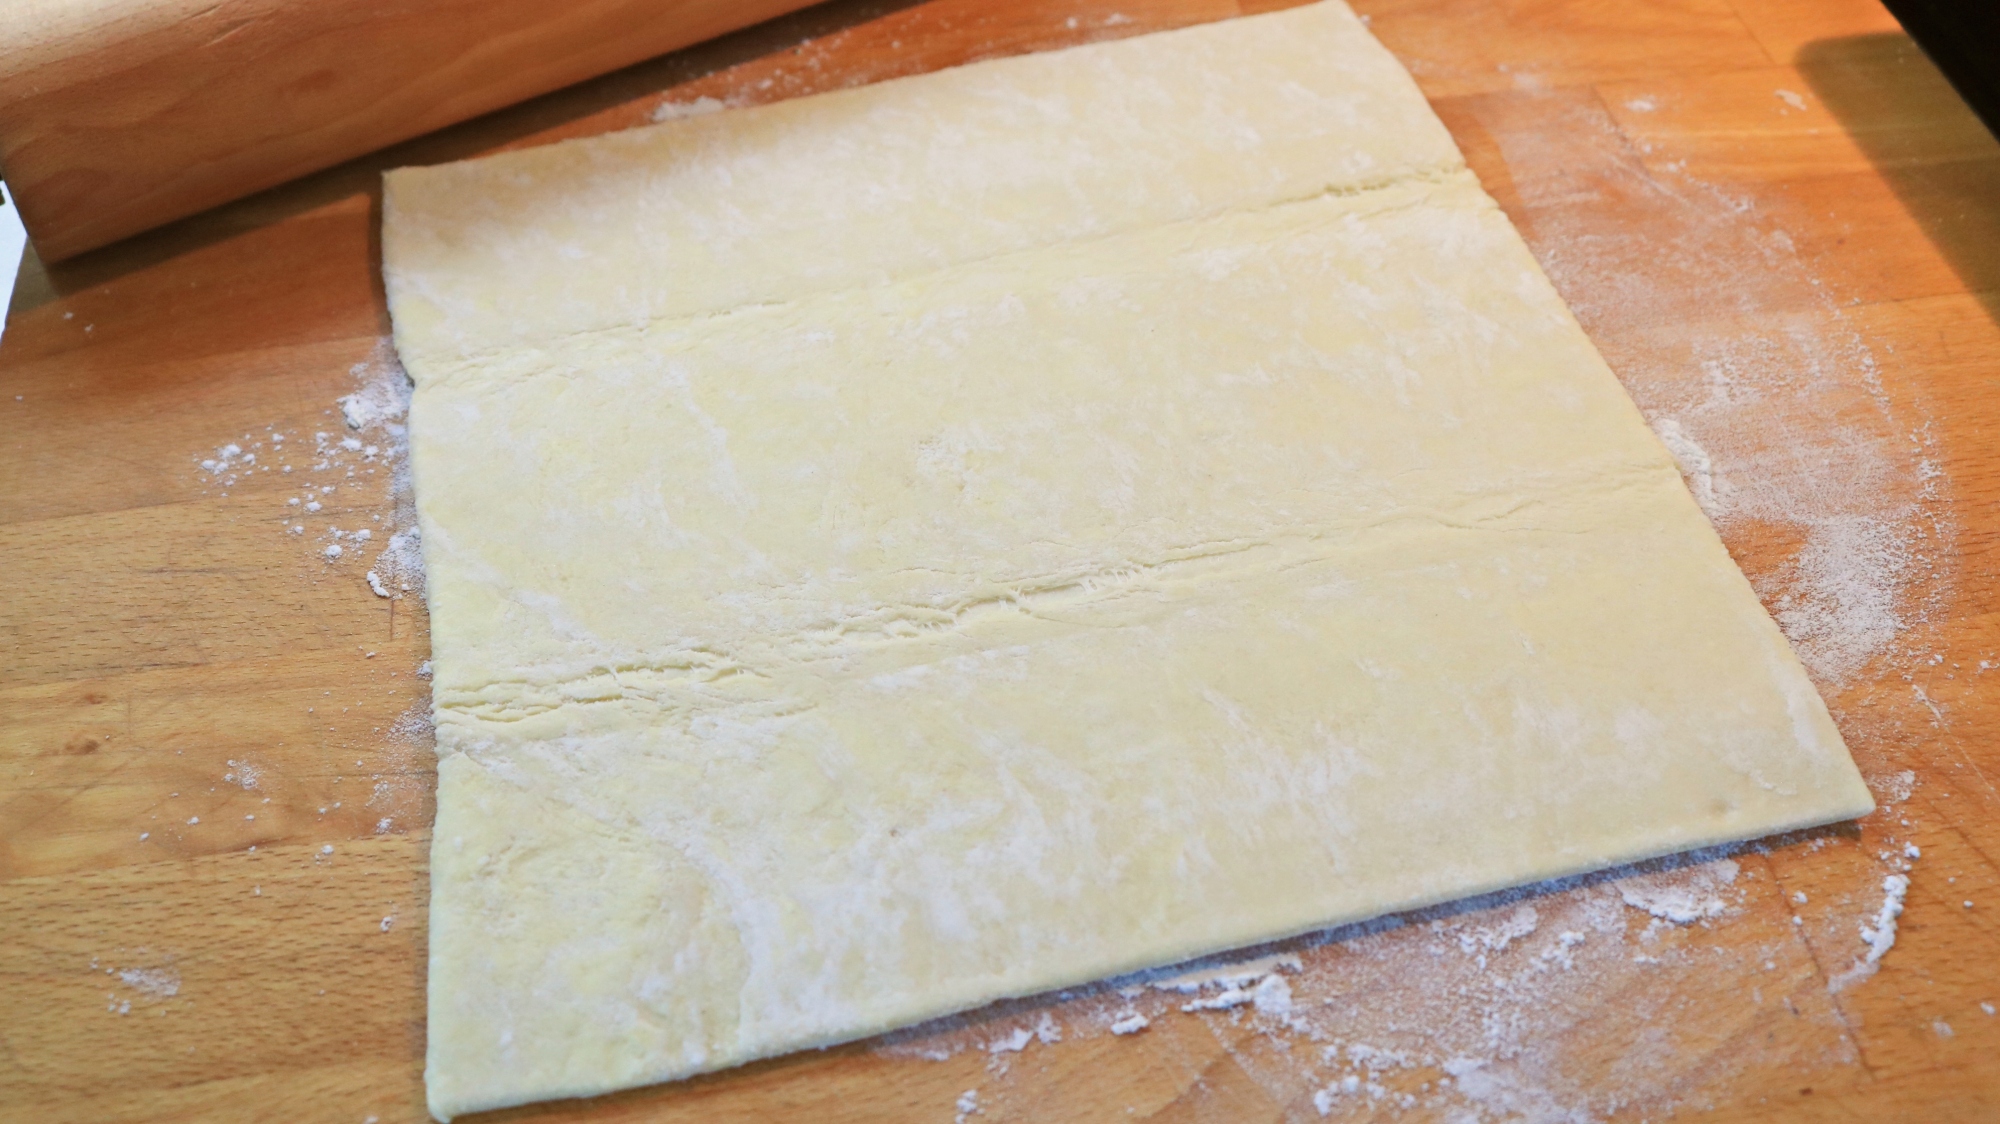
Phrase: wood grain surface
[1772,216]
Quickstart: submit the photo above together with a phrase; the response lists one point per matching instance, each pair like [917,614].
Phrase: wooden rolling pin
[119,115]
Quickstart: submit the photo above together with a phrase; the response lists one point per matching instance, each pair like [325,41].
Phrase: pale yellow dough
[994,530]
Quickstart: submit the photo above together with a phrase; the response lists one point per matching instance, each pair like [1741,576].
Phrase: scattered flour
[1225,974]
[243,773]
[1234,997]
[320,471]
[1894,788]
[1880,936]
[1273,997]
[384,396]
[229,460]
[328,481]
[153,983]
[1013,1042]
[400,793]
[1682,901]
[675,110]
[1325,1099]
[376,411]
[1477,942]
[399,569]
[150,984]
[1131,1024]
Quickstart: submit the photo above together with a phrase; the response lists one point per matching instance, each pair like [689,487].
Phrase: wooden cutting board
[1772,216]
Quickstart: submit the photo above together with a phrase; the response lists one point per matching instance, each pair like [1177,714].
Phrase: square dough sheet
[989,531]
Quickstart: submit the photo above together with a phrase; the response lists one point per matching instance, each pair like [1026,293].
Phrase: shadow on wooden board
[532,121]
[1932,150]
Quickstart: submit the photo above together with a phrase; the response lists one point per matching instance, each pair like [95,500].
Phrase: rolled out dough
[989,531]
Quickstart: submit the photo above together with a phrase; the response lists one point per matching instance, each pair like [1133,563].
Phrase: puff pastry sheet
[989,531]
